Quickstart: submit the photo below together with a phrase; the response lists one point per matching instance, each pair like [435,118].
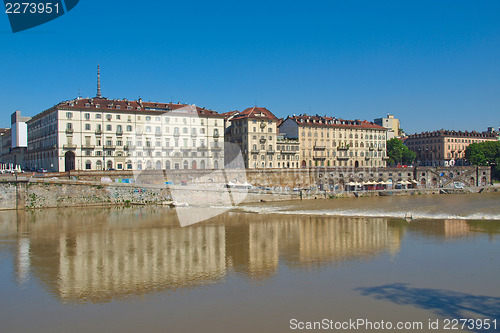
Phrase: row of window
[140,165]
[166,118]
[350,136]
[129,128]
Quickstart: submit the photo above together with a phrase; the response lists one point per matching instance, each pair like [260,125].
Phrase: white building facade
[104,134]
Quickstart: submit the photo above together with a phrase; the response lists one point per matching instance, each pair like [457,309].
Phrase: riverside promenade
[208,187]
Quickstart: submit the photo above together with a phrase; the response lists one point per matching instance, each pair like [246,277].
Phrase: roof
[324,121]
[121,105]
[443,132]
[256,112]
[230,114]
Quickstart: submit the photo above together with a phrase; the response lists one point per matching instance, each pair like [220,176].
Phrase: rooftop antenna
[98,82]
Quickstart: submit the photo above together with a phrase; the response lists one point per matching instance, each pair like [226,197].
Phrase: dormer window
[118,106]
[97,106]
[87,105]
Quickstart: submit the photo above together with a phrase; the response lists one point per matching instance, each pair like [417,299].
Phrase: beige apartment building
[444,148]
[331,142]
[254,130]
[392,124]
[104,134]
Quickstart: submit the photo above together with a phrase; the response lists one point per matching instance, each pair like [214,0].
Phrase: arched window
[129,165]
[193,165]
[167,165]
[202,165]
[88,165]
[149,165]
[216,164]
[186,164]
[158,165]
[99,165]
[109,165]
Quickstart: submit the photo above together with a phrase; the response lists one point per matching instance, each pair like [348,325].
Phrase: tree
[486,154]
[399,153]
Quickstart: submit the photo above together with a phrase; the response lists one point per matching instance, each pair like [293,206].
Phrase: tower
[98,82]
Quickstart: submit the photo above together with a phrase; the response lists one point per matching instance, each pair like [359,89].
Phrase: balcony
[119,133]
[270,152]
[194,134]
[380,148]
[372,148]
[185,148]
[319,158]
[126,147]
[69,131]
[367,158]
[109,147]
[262,140]
[202,148]
[88,147]
[177,134]
[262,124]
[69,147]
[254,151]
[319,147]
[342,158]
[216,147]
[98,132]
[167,148]
[385,158]
[158,133]
[343,148]
[216,135]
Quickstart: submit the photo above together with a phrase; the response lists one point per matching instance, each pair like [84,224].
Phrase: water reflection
[95,255]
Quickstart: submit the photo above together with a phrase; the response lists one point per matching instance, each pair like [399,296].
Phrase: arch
[88,165]
[193,165]
[158,165]
[99,165]
[185,165]
[167,165]
[69,161]
[304,164]
[149,165]
[216,164]
[356,164]
[270,164]
[483,181]
[109,165]
[129,165]
[202,164]
[472,181]
[434,182]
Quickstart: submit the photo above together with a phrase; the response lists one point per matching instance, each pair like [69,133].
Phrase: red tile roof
[256,113]
[104,104]
[320,121]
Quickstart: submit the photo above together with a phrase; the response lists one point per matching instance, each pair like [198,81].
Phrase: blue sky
[433,64]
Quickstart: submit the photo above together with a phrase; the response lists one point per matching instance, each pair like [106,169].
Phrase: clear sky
[433,64]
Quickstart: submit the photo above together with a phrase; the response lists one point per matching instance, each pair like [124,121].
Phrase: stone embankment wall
[39,193]
[323,178]
[206,187]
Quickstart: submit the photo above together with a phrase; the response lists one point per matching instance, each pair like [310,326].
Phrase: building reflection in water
[95,255]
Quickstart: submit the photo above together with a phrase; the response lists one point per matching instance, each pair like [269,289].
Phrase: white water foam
[372,213]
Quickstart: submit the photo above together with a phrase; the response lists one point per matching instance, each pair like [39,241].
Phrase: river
[263,268]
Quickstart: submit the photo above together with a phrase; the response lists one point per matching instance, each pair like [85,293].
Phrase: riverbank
[33,193]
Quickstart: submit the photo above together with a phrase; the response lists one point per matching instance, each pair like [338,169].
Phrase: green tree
[399,153]
[486,154]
